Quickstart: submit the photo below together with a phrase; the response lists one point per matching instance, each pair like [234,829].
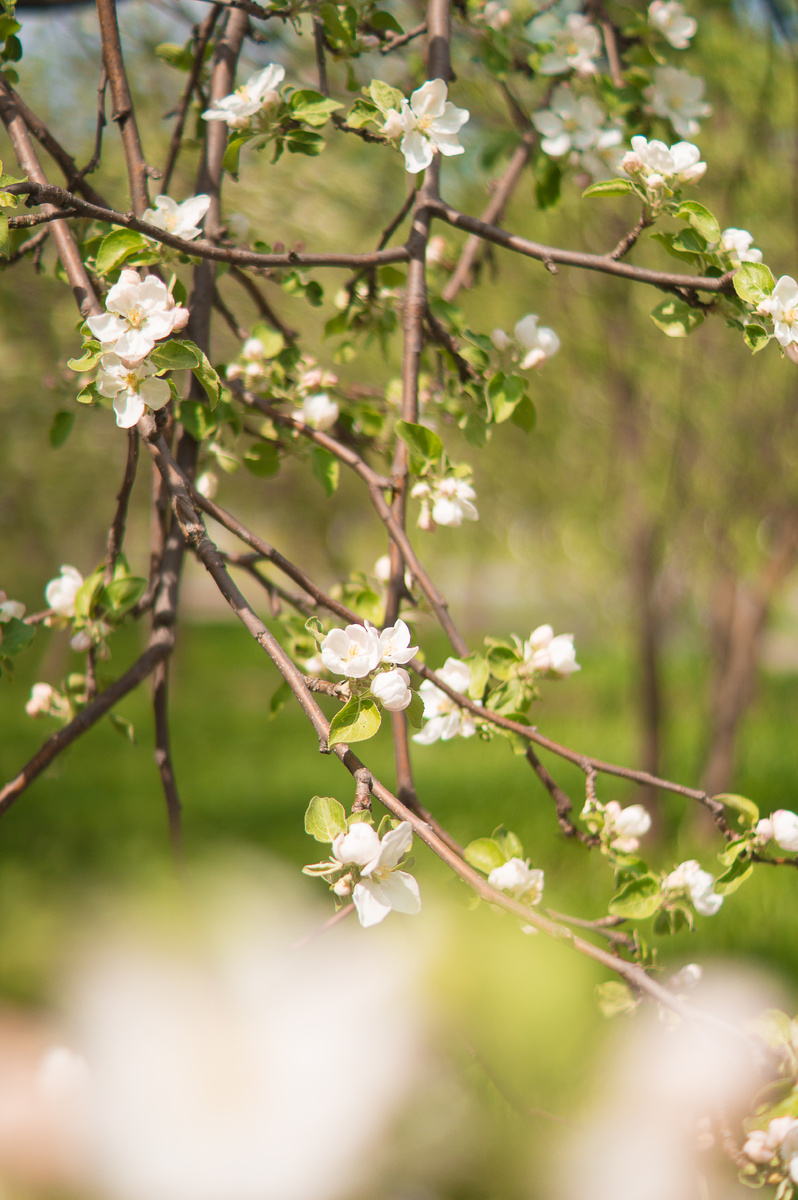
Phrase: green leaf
[689,241]
[272,340]
[117,246]
[749,812]
[383,21]
[209,380]
[753,281]
[615,999]
[280,698]
[362,113]
[123,726]
[524,415]
[92,354]
[731,878]
[509,842]
[415,711]
[675,318]
[485,854]
[502,661]
[325,818]
[312,108]
[422,442]
[548,178]
[177,56]
[176,355]
[61,427]
[608,187]
[357,721]
[478,680]
[700,218]
[87,594]
[122,594]
[4,247]
[504,393]
[326,469]
[302,141]
[262,459]
[639,898]
[15,636]
[733,850]
[755,338]
[195,417]
[232,153]
[385,96]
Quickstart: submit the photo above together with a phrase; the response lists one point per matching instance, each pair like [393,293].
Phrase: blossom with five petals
[140,312]
[782,307]
[689,877]
[519,880]
[354,651]
[132,388]
[381,886]
[568,123]
[658,165]
[392,689]
[180,219]
[669,18]
[428,122]
[395,644]
[445,719]
[677,96]
[260,90]
[60,592]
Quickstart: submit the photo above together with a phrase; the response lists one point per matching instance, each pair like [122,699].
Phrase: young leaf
[61,427]
[701,219]
[326,469]
[422,442]
[731,878]
[615,999]
[755,338]
[117,246]
[385,96]
[325,818]
[753,281]
[608,187]
[357,721]
[485,854]
[16,636]
[749,812]
[262,459]
[415,711]
[176,355]
[312,108]
[209,380]
[675,318]
[639,898]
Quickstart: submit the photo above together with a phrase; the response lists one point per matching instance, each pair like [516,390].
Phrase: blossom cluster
[530,344]
[360,651]
[373,879]
[619,829]
[446,501]
[519,880]
[445,719]
[698,884]
[778,1144]
[427,123]
[139,313]
[247,101]
[781,827]
[545,654]
[660,170]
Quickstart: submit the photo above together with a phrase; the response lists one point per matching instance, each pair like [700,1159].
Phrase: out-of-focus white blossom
[354,651]
[251,364]
[658,165]
[436,250]
[132,388]
[381,887]
[395,644]
[140,312]
[45,701]
[392,689]
[669,18]
[546,654]
[688,977]
[60,593]
[315,377]
[447,501]
[183,220]
[602,160]
[259,92]
[319,411]
[207,484]
[689,877]
[762,1145]
[782,307]
[569,123]
[382,569]
[445,719]
[785,829]
[677,96]
[428,122]
[495,15]
[10,609]
[533,343]
[626,825]
[575,43]
[739,245]
[519,880]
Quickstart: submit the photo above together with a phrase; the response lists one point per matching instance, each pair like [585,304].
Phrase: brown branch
[124,115]
[29,246]
[321,62]
[229,318]
[562,801]
[163,759]
[613,57]
[265,309]
[445,339]
[402,39]
[116,533]
[551,255]
[34,219]
[628,240]
[202,34]
[101,123]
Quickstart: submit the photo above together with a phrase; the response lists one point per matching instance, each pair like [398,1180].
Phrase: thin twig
[202,36]
[94,161]
[265,309]
[163,759]
[116,533]
[628,240]
[123,115]
[402,39]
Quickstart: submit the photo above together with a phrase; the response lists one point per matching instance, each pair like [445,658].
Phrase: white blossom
[626,825]
[763,830]
[253,367]
[257,93]
[428,122]
[738,244]
[546,654]
[657,164]
[381,886]
[132,388]
[180,219]
[495,15]
[382,569]
[677,96]
[445,719]
[669,18]
[568,123]
[354,651]
[60,593]
[575,43]
[687,978]
[448,501]
[782,307]
[42,696]
[395,644]
[314,377]
[319,411]
[540,343]
[603,159]
[10,609]
[207,484]
[140,312]
[785,829]
[689,877]
[762,1144]
[392,689]
[519,880]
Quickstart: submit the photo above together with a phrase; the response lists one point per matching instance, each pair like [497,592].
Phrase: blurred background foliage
[652,511]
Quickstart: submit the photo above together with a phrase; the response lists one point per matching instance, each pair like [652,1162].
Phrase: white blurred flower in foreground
[739,245]
[762,1145]
[699,885]
[381,888]
[319,411]
[60,593]
[519,880]
[217,1066]
[568,123]
[260,91]
[669,18]
[677,96]
[45,701]
[183,220]
[784,825]
[575,43]
[428,122]
[444,719]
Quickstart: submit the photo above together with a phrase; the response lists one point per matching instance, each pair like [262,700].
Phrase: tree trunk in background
[739,614]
